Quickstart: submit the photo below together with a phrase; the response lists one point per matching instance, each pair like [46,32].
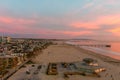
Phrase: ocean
[113,51]
[115,46]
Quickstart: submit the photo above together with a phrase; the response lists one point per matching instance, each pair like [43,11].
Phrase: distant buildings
[5,39]
[16,52]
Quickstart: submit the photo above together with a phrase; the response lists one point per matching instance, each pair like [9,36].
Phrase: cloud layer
[76,19]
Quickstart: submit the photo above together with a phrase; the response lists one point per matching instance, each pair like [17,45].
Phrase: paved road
[12,71]
[21,74]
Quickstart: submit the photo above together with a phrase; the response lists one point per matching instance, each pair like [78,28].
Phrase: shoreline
[104,58]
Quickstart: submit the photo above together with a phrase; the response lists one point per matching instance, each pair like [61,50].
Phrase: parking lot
[28,72]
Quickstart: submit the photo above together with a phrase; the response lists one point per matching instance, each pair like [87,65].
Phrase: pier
[95,45]
[89,43]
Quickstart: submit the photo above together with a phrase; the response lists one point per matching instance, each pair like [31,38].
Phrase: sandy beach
[68,53]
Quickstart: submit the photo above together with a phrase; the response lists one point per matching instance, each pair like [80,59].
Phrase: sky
[60,19]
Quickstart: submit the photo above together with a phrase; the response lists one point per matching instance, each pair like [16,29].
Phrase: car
[33,65]
[36,72]
[27,72]
[39,67]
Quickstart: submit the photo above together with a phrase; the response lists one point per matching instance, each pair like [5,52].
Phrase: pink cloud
[22,25]
[115,31]
[95,24]
[112,2]
[84,25]
[5,30]
[6,20]
[16,25]
[109,20]
[10,20]
[15,29]
[71,33]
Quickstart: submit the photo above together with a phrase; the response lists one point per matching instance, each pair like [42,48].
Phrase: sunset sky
[96,19]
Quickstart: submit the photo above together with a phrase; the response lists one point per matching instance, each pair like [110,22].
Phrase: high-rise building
[0,39]
[8,39]
[5,39]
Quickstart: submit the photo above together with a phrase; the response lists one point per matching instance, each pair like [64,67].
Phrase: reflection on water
[115,46]
[113,51]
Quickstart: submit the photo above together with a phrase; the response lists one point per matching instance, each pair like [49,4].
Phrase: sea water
[96,46]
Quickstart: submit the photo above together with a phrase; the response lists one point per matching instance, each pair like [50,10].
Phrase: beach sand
[68,53]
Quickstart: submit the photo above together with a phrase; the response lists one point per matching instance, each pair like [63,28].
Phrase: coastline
[69,53]
[100,56]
